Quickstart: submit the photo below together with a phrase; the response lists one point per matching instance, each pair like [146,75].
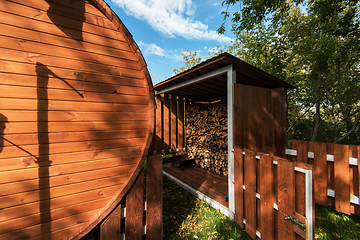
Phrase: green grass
[187,217]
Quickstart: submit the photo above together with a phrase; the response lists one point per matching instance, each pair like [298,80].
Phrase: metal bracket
[296,222]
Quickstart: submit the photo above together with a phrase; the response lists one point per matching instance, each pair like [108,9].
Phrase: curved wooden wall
[76,116]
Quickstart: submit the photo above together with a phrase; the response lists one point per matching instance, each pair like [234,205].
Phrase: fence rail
[336,173]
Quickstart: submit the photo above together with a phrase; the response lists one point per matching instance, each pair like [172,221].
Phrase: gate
[273,196]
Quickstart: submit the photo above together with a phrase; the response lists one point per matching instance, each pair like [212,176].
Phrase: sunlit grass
[187,217]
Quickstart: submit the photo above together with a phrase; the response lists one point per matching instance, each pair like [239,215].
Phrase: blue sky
[163,29]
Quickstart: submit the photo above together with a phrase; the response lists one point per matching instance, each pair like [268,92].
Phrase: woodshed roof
[215,86]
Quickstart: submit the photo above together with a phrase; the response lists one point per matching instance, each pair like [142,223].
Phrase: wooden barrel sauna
[76,116]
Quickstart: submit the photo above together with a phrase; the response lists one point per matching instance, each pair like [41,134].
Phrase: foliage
[313,45]
[187,217]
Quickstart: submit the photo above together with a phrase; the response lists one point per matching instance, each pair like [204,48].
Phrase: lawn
[187,217]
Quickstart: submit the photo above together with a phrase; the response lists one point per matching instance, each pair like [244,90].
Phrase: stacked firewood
[206,136]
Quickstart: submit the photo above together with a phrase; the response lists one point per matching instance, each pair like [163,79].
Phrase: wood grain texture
[239,182]
[76,115]
[250,192]
[110,228]
[154,194]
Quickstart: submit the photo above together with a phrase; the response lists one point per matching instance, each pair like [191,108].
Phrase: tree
[314,45]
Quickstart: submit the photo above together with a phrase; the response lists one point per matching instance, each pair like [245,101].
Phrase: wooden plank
[154,192]
[239,116]
[159,125]
[68,25]
[134,209]
[27,68]
[268,123]
[181,127]
[330,172]
[122,154]
[239,182]
[320,173]
[106,85]
[45,138]
[123,118]
[173,116]
[110,228]
[30,220]
[342,178]
[80,13]
[48,227]
[286,198]
[267,197]
[58,204]
[166,124]
[56,105]
[60,191]
[280,115]
[23,40]
[29,179]
[250,192]
[357,181]
[70,95]
[206,189]
[32,150]
[302,151]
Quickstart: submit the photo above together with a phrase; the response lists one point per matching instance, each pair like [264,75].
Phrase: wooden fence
[169,134]
[267,191]
[336,173]
[133,217]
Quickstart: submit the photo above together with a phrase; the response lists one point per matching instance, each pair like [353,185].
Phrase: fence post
[154,190]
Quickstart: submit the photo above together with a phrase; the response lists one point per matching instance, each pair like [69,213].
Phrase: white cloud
[151,49]
[172,18]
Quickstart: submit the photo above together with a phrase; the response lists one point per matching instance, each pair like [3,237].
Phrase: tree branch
[351,130]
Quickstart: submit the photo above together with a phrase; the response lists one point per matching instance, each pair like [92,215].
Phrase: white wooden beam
[201,78]
[231,79]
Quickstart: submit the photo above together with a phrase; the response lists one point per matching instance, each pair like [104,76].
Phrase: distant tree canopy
[313,45]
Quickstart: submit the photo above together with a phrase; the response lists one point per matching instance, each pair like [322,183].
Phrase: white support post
[231,78]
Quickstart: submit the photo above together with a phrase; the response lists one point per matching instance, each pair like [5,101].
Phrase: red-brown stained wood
[357,181]
[267,197]
[110,228]
[286,198]
[342,178]
[159,125]
[134,210]
[154,212]
[320,173]
[166,124]
[77,112]
[250,192]
[174,117]
[239,182]
[302,151]
[181,126]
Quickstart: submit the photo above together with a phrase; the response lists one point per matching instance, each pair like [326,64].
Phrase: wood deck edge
[199,194]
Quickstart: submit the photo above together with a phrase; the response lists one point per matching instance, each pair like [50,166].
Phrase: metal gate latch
[296,222]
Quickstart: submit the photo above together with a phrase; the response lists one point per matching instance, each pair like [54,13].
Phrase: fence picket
[134,210]
[250,192]
[286,198]
[239,182]
[174,128]
[181,116]
[342,178]
[320,173]
[267,197]
[166,123]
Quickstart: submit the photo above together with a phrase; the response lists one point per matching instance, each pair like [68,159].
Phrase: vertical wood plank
[320,174]
[110,228]
[342,178]
[250,192]
[166,124]
[267,197]
[174,116]
[240,116]
[134,210]
[280,122]
[330,172]
[154,211]
[286,198]
[239,182]
[159,124]
[181,126]
[357,190]
[269,124]
[302,151]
